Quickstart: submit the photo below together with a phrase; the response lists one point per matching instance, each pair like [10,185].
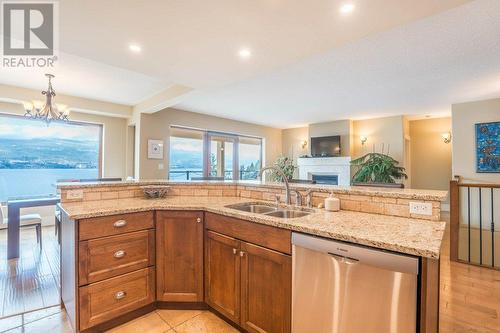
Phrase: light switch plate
[421,208]
[160,166]
[74,194]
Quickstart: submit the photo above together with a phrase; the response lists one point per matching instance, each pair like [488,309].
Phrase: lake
[15,183]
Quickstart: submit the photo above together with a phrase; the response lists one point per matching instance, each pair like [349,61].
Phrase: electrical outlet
[421,208]
[74,194]
[160,166]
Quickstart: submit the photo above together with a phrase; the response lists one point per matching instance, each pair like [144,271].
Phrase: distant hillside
[48,154]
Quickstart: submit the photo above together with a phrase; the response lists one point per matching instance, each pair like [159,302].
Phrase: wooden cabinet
[266,282]
[248,283]
[105,300]
[222,274]
[106,257]
[97,227]
[179,253]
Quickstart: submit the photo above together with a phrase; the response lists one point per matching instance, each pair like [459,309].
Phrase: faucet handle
[277,199]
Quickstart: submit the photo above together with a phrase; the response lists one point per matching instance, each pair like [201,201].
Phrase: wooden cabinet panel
[114,225]
[105,300]
[222,275]
[179,256]
[266,278]
[260,234]
[106,257]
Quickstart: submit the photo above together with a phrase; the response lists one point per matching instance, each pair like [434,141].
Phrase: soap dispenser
[332,204]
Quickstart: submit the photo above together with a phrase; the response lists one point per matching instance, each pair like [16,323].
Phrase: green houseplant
[377,169]
[286,165]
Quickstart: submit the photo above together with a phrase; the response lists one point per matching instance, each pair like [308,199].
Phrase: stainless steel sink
[288,213]
[253,208]
[280,212]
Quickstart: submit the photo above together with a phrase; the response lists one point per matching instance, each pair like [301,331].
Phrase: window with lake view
[34,156]
[229,156]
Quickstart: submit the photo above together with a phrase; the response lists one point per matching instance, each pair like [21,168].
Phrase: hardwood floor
[32,281]
[470,296]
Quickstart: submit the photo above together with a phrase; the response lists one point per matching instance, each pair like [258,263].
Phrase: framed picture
[488,147]
[155,149]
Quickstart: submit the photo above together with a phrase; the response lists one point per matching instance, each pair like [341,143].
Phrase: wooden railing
[473,233]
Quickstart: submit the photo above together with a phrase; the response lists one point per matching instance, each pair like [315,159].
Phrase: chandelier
[50,111]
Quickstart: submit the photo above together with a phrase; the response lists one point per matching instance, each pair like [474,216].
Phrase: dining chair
[27,220]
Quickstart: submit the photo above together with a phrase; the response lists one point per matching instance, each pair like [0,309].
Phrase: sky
[22,128]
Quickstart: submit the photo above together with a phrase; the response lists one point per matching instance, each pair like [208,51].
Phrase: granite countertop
[406,193]
[405,235]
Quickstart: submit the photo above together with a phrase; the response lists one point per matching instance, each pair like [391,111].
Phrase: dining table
[14,213]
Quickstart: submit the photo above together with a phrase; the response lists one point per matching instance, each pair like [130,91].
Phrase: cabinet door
[266,279]
[222,274]
[179,256]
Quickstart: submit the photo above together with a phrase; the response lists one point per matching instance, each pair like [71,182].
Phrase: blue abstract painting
[488,147]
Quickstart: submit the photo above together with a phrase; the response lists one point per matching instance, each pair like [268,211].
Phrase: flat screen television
[326,146]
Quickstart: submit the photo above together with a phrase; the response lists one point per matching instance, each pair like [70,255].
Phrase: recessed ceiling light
[347,8]
[135,48]
[245,53]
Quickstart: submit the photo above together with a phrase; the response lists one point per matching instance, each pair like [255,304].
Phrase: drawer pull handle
[198,220]
[120,295]
[119,254]
[120,224]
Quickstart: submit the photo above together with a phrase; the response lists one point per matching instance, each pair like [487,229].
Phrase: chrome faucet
[308,195]
[283,177]
[298,197]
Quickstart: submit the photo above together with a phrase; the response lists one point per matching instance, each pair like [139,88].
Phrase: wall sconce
[363,139]
[304,144]
[446,137]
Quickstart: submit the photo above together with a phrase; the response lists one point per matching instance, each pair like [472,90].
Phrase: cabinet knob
[120,295]
[235,251]
[119,254]
[120,224]
[242,253]
[198,220]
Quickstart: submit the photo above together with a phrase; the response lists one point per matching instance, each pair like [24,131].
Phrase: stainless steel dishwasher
[344,288]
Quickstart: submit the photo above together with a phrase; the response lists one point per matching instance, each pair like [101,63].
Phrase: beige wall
[430,156]
[291,142]
[464,116]
[339,127]
[388,131]
[114,137]
[157,126]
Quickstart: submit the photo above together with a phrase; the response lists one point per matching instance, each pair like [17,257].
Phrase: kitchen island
[123,257]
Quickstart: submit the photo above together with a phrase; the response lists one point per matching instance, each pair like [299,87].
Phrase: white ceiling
[309,63]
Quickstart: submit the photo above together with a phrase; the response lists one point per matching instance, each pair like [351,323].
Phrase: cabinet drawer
[105,300]
[106,257]
[115,224]
[260,234]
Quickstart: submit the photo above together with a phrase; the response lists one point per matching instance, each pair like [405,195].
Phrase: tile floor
[53,320]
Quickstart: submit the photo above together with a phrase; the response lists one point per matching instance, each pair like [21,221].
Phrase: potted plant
[376,169]
[286,165]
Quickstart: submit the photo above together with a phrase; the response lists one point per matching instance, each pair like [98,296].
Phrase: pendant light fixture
[50,111]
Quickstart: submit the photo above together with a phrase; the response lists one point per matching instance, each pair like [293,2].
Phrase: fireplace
[326,170]
[325,179]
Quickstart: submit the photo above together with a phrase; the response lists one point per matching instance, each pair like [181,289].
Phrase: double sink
[268,210]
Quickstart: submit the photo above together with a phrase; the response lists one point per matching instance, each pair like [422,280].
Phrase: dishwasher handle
[353,254]
[344,259]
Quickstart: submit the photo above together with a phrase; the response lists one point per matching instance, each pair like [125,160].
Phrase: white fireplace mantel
[340,166]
